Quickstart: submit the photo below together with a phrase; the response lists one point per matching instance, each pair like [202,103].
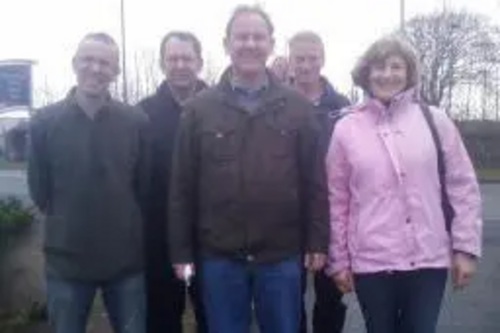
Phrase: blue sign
[15,84]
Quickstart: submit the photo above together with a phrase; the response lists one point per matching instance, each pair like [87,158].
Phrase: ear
[225,43]
[74,64]
[116,71]
[162,66]
[323,59]
[271,49]
[199,66]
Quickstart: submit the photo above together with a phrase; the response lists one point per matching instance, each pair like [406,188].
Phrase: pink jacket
[385,195]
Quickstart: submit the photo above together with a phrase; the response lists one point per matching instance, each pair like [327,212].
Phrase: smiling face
[181,63]
[96,66]
[388,77]
[307,59]
[249,44]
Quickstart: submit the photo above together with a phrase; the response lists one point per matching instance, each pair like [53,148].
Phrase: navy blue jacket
[164,114]
[327,111]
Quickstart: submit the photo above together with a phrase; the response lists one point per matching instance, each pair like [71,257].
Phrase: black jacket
[164,114]
[239,177]
[89,178]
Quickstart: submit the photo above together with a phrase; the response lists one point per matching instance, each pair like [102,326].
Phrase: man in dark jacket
[88,175]
[181,62]
[247,166]
[306,62]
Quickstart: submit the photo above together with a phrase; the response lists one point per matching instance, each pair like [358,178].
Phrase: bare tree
[44,93]
[457,50]
[210,71]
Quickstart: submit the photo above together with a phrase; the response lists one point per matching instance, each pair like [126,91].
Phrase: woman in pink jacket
[389,240]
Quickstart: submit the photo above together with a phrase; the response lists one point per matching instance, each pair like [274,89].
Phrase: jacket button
[408,220]
[250,258]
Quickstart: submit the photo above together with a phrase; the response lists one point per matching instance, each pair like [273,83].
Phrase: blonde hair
[379,51]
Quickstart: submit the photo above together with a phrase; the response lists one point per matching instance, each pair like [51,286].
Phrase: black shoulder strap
[448,211]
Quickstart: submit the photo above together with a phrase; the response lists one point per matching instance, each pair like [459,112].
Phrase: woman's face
[388,78]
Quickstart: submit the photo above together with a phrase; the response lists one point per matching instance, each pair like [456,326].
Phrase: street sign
[15,83]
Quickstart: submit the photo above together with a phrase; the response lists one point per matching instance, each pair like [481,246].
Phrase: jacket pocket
[219,165]
[218,145]
[281,139]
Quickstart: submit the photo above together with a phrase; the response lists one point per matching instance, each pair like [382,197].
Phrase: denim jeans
[230,288]
[69,303]
[401,302]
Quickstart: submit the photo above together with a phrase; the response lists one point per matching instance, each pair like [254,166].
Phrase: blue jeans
[69,303]
[230,288]
[401,302]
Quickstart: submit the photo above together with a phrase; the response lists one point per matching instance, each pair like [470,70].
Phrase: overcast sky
[47,30]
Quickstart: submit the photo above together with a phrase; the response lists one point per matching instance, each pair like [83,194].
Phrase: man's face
[249,44]
[96,66]
[306,61]
[181,64]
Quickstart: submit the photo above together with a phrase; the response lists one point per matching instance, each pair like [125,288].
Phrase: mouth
[181,74]
[249,55]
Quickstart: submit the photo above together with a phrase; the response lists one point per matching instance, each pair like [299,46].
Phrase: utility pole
[402,11]
[124,52]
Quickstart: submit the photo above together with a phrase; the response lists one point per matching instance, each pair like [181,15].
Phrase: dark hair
[184,36]
[247,9]
[392,45]
[100,37]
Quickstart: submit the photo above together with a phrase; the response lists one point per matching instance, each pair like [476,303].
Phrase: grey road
[474,310]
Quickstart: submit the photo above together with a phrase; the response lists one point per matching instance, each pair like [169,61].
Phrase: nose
[250,42]
[95,66]
[387,71]
[180,64]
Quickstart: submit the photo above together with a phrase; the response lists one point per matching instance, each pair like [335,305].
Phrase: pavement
[473,310]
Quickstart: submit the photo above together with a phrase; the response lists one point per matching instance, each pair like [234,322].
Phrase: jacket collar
[73,104]
[274,92]
[165,93]
[397,102]
[330,96]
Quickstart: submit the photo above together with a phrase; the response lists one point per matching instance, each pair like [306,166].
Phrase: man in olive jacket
[246,170]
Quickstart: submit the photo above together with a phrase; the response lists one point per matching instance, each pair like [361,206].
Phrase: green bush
[14,215]
[17,321]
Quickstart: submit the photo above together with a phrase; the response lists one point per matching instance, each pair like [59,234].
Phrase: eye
[313,59]
[378,66]
[258,37]
[86,59]
[104,63]
[398,66]
[241,37]
[300,59]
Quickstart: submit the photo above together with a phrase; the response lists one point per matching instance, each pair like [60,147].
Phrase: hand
[315,261]
[180,270]
[344,281]
[462,269]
